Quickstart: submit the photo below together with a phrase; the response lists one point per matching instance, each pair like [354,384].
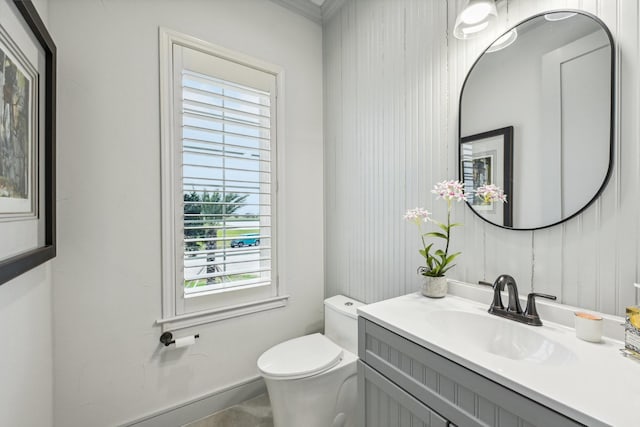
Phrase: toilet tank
[341,321]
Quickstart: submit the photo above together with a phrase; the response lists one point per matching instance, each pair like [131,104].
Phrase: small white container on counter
[588,326]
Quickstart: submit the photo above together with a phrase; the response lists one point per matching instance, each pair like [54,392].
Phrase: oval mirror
[536,120]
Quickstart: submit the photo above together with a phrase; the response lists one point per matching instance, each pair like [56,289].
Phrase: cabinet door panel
[386,405]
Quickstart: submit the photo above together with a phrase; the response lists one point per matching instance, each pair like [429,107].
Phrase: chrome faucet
[514,310]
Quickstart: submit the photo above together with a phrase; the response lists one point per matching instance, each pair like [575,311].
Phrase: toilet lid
[300,357]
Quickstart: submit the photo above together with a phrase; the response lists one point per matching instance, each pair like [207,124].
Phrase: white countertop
[599,387]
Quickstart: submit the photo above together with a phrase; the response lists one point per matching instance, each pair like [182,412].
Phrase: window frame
[173,299]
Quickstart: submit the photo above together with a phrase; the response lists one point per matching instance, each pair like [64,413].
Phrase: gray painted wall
[393,73]
[385,80]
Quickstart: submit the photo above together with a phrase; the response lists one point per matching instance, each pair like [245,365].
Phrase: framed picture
[27,140]
[487,158]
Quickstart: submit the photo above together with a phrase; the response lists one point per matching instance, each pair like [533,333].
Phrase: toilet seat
[300,357]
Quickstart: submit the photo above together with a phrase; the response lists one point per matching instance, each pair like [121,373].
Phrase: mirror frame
[611,117]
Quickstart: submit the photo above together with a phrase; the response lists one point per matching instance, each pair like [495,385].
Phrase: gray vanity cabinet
[404,384]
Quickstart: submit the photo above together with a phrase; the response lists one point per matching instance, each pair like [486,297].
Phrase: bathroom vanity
[447,362]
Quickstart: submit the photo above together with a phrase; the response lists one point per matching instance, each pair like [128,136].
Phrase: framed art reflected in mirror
[487,158]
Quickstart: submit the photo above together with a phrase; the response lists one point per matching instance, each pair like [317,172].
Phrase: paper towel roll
[185,341]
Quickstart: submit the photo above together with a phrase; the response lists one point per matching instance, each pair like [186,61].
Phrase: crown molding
[309,10]
[304,8]
[330,7]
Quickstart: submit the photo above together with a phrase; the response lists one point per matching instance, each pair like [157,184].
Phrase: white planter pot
[434,287]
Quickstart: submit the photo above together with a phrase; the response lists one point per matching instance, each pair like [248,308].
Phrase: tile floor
[255,412]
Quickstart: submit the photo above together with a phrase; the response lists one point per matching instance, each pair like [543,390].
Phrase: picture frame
[487,158]
[28,58]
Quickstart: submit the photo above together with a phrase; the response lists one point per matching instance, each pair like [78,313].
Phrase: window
[219,157]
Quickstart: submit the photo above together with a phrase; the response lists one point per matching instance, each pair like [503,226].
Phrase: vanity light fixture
[505,41]
[559,16]
[474,17]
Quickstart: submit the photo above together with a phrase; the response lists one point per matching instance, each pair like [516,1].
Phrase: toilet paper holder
[167,338]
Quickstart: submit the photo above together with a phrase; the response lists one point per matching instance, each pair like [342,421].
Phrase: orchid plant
[440,261]
[491,193]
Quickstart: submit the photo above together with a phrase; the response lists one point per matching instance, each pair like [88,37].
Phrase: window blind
[226,184]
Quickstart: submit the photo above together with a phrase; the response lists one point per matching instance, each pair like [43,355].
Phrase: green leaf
[438,271]
[436,234]
[456,224]
[444,270]
[444,227]
[439,253]
[430,263]
[438,223]
[452,257]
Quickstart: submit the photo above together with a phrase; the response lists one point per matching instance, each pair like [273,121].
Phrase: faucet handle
[531,310]
[497,298]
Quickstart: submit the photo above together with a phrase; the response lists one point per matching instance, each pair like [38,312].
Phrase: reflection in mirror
[535,119]
[487,158]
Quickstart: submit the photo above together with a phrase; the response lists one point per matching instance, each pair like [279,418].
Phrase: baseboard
[203,406]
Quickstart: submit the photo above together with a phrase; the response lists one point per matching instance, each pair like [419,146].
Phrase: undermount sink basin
[501,337]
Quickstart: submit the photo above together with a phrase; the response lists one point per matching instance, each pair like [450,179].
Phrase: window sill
[214,291]
[215,315]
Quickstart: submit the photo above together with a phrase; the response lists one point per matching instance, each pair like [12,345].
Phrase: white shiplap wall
[393,74]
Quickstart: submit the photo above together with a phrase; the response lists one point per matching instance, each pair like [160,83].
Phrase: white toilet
[312,380]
